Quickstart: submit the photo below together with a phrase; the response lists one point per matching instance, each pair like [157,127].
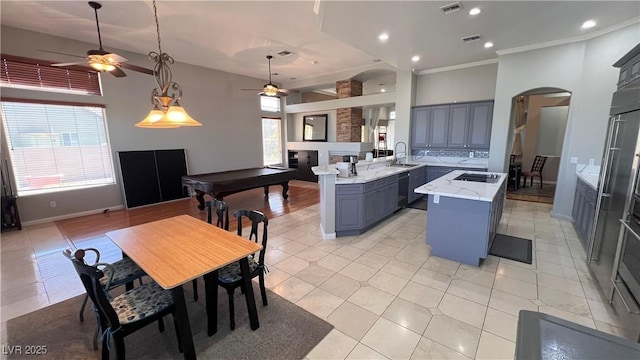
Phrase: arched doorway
[538,126]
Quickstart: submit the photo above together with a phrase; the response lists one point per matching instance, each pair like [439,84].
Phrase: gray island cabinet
[463,215]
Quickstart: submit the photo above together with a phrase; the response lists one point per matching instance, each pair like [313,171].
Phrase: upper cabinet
[452,126]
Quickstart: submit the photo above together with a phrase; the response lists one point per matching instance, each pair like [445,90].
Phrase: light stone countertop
[446,186]
[590,174]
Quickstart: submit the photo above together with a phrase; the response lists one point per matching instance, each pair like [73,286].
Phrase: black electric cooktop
[485,178]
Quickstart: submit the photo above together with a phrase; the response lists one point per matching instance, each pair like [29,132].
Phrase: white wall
[467,84]
[294,125]
[230,137]
[582,68]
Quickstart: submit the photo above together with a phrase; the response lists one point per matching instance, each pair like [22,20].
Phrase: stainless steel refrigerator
[613,253]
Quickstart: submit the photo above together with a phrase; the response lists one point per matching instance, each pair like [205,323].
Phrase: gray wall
[229,116]
[582,68]
[467,84]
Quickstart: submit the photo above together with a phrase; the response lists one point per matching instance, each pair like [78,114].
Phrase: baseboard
[69,216]
[556,215]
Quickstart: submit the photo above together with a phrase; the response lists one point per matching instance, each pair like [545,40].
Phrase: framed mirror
[314,127]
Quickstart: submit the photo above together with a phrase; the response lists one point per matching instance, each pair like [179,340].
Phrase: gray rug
[286,332]
[512,248]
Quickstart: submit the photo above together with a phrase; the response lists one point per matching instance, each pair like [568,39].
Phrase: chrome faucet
[395,151]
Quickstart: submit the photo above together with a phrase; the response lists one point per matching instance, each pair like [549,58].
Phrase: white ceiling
[235,36]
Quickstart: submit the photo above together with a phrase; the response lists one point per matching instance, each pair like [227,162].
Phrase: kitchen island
[464,214]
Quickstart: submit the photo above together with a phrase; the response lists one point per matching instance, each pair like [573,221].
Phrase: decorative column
[349,120]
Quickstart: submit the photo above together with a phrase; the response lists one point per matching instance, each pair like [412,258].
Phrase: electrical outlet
[471,154]
[573,160]
[53,204]
[436,199]
[591,161]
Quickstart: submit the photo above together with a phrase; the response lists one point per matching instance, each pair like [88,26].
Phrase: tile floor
[383,292]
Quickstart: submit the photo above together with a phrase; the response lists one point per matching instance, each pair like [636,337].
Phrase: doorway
[539,125]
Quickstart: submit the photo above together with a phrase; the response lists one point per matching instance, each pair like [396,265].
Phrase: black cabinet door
[140,178]
[171,167]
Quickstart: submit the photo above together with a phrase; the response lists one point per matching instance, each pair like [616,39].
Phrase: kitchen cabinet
[416,178]
[304,160]
[629,72]
[361,206]
[452,126]
[583,211]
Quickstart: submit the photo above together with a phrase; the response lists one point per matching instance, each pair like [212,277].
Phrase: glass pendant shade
[151,121]
[270,90]
[102,67]
[176,116]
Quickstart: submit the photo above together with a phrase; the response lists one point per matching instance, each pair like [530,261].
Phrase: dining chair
[515,171]
[116,274]
[230,276]
[222,212]
[126,313]
[536,170]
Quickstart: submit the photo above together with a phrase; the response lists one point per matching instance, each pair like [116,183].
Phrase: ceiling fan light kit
[167,111]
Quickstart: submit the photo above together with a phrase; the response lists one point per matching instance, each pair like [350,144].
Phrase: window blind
[39,74]
[270,103]
[57,147]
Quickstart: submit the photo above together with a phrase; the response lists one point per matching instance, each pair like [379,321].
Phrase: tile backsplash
[480,154]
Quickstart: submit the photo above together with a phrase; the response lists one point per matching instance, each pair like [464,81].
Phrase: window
[270,103]
[56,146]
[271,141]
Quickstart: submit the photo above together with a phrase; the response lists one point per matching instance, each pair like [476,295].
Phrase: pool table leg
[285,189]
[266,191]
[200,198]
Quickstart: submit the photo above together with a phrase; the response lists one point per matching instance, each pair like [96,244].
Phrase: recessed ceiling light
[292,78]
[588,24]
[314,62]
[377,60]
[488,44]
[383,37]
[474,11]
[415,58]
[383,90]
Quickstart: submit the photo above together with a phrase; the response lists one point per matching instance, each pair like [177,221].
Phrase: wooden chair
[222,212]
[230,277]
[126,313]
[515,171]
[536,170]
[116,274]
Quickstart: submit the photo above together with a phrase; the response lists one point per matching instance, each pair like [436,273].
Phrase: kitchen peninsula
[465,208]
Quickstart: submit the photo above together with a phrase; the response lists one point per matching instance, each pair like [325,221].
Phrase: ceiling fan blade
[59,53]
[114,58]
[281,93]
[251,89]
[136,68]
[69,64]
[117,72]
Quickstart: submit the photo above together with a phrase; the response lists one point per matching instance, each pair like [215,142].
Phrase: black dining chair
[126,313]
[536,170]
[116,274]
[230,276]
[222,221]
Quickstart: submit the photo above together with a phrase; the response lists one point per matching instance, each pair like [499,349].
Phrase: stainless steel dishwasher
[403,189]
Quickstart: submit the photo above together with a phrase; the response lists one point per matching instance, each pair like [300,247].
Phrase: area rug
[512,248]
[286,332]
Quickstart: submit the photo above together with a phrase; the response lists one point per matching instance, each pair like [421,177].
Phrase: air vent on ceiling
[285,53]
[471,38]
[450,8]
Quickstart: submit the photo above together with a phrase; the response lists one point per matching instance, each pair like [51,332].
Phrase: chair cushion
[141,302]
[231,273]
[125,270]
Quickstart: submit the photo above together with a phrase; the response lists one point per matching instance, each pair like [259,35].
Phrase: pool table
[221,184]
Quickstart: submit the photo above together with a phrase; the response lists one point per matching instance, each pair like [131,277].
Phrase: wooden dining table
[175,251]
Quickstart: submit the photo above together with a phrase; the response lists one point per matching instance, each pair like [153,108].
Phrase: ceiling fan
[102,60]
[270,89]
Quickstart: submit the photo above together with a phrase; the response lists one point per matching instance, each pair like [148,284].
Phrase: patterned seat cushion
[231,273]
[125,270]
[143,301]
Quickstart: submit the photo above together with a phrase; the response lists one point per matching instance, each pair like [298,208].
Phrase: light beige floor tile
[292,234]
[561,284]
[516,287]
[275,277]
[21,307]
[293,247]
[312,254]
[604,312]
[431,350]
[556,249]
[352,320]
[320,303]
[475,275]
[350,252]
[362,352]
[510,303]
[314,274]
[564,301]
[441,265]
[372,299]
[401,269]
[274,256]
[463,310]
[390,240]
[470,291]
[336,345]
[454,334]
[391,340]
[388,282]
[20,275]
[555,258]
[582,320]
[385,250]
[412,257]
[341,286]
[372,260]
[293,289]
[422,295]
[409,315]
[557,270]
[274,241]
[14,294]
[614,330]
[492,347]
[333,262]
[432,279]
[501,324]
[358,271]
[490,264]
[516,272]
[292,265]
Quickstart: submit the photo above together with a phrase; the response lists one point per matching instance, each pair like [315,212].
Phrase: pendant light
[167,111]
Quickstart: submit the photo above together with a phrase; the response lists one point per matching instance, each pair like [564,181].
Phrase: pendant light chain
[155,14]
